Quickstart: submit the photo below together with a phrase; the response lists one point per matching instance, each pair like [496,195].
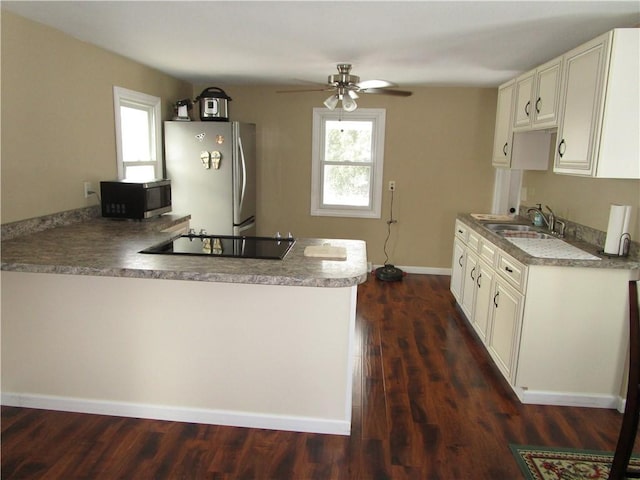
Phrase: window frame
[377,117]
[153,105]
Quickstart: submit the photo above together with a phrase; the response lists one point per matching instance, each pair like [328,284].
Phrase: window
[138,136]
[347,157]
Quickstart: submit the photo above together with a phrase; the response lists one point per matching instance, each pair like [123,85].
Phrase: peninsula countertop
[106,247]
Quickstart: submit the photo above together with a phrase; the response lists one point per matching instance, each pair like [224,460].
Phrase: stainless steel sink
[516,230]
[509,226]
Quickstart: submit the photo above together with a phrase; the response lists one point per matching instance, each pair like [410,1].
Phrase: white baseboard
[179,414]
[420,270]
[566,399]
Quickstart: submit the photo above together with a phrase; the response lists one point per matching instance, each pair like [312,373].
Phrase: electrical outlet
[88,189]
[392,185]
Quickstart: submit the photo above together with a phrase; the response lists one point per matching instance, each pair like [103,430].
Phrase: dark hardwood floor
[428,404]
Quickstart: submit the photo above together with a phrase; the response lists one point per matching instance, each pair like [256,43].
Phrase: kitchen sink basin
[517,230]
[509,226]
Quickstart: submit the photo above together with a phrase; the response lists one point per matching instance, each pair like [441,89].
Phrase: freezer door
[197,187]
[244,207]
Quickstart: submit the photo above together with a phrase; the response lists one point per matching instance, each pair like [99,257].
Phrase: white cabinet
[457,269]
[537,96]
[503,130]
[488,286]
[484,288]
[505,321]
[598,133]
[469,284]
[557,334]
[523,150]
[545,103]
[523,94]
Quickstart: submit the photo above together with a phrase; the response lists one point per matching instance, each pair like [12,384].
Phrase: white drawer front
[512,270]
[474,241]
[462,231]
[488,253]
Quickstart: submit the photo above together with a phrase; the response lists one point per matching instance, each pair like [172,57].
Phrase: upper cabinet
[537,97]
[503,132]
[545,102]
[522,150]
[598,134]
[591,95]
[522,109]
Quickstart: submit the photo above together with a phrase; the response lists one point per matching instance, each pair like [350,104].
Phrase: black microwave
[137,200]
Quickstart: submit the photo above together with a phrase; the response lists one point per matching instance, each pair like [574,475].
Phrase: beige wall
[437,149]
[57,116]
[586,201]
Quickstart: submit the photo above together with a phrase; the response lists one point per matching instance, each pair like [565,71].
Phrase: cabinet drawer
[473,242]
[512,270]
[488,252]
[462,231]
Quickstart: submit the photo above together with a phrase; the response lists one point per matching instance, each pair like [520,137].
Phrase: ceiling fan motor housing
[343,78]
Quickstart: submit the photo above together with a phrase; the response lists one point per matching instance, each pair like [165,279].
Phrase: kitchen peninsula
[89,324]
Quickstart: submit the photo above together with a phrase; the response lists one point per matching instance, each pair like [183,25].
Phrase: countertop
[107,247]
[526,259]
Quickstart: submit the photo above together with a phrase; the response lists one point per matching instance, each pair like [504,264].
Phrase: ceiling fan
[347,87]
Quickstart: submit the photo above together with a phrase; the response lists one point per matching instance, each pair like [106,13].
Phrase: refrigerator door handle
[244,173]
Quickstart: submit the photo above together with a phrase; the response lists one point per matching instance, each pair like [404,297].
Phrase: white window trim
[320,116]
[124,96]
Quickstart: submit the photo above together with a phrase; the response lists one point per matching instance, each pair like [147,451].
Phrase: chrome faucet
[549,220]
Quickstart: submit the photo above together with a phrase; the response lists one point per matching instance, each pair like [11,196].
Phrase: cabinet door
[484,286]
[582,93]
[503,131]
[457,269]
[523,93]
[469,285]
[506,316]
[547,95]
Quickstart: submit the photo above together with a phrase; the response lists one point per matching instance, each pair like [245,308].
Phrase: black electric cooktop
[225,246]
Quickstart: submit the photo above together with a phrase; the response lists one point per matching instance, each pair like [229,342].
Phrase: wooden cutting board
[326,251]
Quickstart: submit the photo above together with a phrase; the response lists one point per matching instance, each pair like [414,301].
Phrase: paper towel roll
[619,218]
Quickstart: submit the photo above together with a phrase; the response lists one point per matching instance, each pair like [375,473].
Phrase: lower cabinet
[558,334]
[505,320]
[457,269]
[484,294]
[469,285]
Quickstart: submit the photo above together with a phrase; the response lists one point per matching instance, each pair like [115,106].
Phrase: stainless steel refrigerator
[212,168]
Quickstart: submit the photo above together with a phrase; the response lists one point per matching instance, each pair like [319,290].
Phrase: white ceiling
[293,42]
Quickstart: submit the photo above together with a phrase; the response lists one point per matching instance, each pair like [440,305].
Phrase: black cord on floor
[389,222]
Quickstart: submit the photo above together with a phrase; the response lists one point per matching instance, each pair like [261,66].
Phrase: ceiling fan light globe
[331,102]
[349,104]
[353,94]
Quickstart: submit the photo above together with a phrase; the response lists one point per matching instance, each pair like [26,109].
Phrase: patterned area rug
[544,463]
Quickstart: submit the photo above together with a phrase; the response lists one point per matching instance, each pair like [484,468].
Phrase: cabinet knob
[504,149]
[471,274]
[478,281]
[495,299]
[538,104]
[526,107]
[460,260]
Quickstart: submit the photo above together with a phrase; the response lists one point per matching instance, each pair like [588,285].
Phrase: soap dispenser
[537,217]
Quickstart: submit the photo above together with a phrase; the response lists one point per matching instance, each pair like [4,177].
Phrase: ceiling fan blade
[384,91]
[375,84]
[325,89]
